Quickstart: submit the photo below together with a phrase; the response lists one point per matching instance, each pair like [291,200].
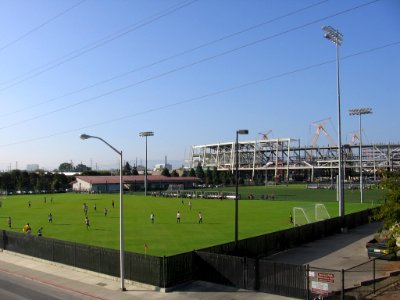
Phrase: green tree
[7,182]
[33,178]
[59,182]
[127,170]
[230,178]
[174,173]
[26,180]
[208,176]
[135,171]
[192,173]
[165,172]
[389,212]
[215,176]
[66,167]
[82,168]
[199,171]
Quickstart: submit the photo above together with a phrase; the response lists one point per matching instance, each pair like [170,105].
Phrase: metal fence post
[374,274]
[164,270]
[342,294]
[245,272]
[308,281]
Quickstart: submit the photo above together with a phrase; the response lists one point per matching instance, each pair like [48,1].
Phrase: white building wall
[81,186]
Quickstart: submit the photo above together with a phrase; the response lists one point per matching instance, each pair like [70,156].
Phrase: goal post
[175,188]
[321,213]
[309,213]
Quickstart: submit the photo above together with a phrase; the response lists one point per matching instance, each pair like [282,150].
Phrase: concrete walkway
[347,251]
[90,285]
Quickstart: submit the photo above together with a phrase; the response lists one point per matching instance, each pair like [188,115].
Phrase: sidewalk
[91,285]
[345,251]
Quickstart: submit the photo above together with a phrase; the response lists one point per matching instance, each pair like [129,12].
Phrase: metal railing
[358,281]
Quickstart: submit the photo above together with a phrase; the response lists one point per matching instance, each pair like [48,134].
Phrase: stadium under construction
[285,160]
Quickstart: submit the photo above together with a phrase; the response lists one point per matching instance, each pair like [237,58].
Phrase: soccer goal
[175,188]
[309,213]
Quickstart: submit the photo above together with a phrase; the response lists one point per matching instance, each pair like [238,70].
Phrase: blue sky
[191,71]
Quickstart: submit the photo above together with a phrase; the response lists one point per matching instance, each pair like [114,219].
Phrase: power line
[90,99]
[121,75]
[208,95]
[9,44]
[99,43]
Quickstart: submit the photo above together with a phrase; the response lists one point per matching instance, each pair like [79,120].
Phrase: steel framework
[283,155]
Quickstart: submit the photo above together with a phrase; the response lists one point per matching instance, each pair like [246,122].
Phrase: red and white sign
[326,277]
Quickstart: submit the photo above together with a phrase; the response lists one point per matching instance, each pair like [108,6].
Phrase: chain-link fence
[353,283]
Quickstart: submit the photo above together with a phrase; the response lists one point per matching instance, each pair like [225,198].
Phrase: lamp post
[121,215]
[337,38]
[241,131]
[146,134]
[359,112]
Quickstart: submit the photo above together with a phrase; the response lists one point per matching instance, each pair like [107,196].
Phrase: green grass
[165,237]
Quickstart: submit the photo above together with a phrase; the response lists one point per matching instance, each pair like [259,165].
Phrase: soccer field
[165,236]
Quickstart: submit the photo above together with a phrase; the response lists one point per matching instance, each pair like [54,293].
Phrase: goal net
[309,213]
[175,188]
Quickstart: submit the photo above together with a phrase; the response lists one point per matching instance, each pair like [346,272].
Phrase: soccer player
[27,229]
[87,222]
[9,222]
[50,218]
[152,217]
[105,211]
[178,217]
[200,218]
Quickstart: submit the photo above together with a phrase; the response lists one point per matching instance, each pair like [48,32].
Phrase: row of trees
[17,180]
[208,176]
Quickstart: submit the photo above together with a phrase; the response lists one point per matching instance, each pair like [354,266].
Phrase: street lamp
[146,134]
[337,38]
[359,112]
[121,215]
[241,131]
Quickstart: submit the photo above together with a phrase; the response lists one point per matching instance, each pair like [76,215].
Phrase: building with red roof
[110,184]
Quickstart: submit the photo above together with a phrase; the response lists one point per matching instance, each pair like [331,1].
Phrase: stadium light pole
[359,112]
[146,134]
[241,131]
[121,215]
[337,38]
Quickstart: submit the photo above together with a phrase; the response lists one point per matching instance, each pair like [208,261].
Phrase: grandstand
[284,156]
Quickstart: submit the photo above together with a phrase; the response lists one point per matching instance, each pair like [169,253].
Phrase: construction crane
[320,127]
[264,135]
